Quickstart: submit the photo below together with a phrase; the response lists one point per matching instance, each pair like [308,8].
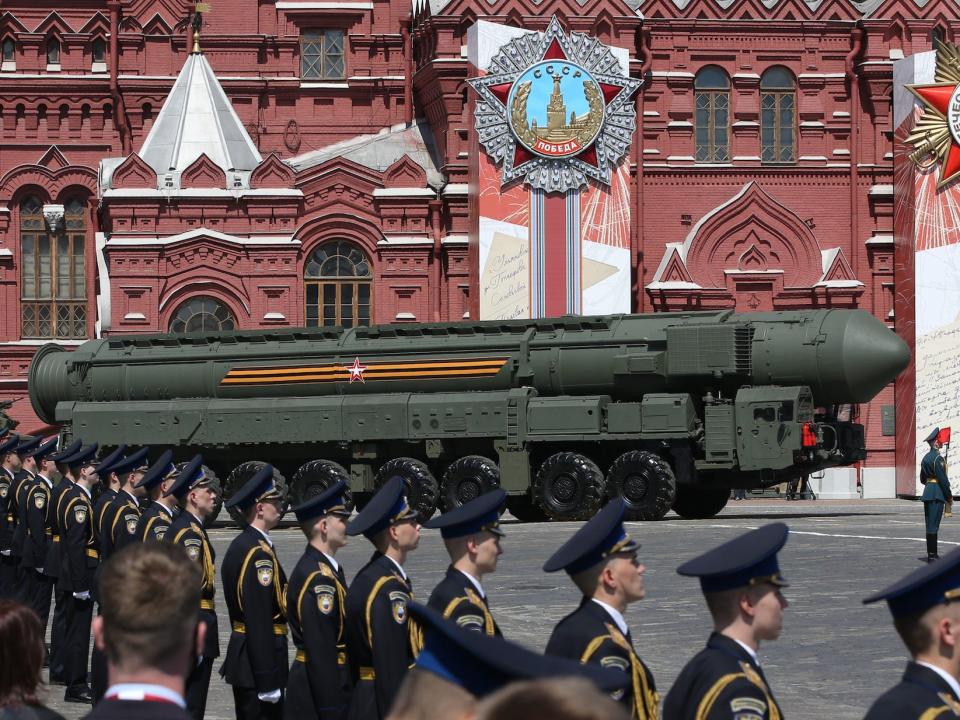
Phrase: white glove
[271,697]
[5,553]
[40,570]
[85,595]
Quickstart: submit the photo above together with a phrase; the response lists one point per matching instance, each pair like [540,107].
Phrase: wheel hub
[468,490]
[635,487]
[564,488]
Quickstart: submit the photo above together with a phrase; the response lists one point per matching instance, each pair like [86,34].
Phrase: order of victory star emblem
[555,110]
[356,370]
[936,136]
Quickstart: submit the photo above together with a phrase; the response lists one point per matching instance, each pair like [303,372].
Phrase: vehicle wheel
[422,490]
[238,478]
[645,482]
[468,478]
[524,509]
[314,477]
[568,486]
[700,503]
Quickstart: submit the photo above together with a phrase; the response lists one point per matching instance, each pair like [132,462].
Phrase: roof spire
[198,10]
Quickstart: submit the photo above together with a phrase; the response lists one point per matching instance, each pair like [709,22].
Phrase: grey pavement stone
[835,656]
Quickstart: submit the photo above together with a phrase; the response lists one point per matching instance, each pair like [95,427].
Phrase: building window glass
[321,54]
[339,285]
[9,50]
[778,97]
[53,272]
[99,50]
[53,51]
[202,314]
[712,99]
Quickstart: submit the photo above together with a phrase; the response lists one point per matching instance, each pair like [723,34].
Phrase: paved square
[834,657]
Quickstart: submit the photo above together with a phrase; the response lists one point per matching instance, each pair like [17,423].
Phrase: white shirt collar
[399,566]
[948,678]
[336,565]
[476,583]
[86,492]
[46,480]
[9,472]
[131,496]
[265,536]
[201,525]
[750,650]
[615,614]
[137,691]
[163,507]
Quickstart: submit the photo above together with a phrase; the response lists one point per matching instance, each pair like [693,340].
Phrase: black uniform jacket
[154,522]
[101,507]
[22,483]
[36,544]
[319,684]
[721,681]
[590,635]
[80,555]
[58,500]
[457,598]
[137,710]
[921,693]
[6,509]
[255,589]
[188,531]
[118,527]
[381,643]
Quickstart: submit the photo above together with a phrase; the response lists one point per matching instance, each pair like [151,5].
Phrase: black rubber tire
[468,478]
[238,478]
[646,483]
[422,487]
[524,509]
[700,503]
[568,486]
[313,477]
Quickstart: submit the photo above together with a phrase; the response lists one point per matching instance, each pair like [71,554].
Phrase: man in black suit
[601,559]
[926,616]
[255,587]
[150,631]
[319,684]
[472,535]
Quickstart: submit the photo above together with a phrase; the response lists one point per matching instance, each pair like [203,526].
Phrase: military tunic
[36,545]
[154,522]
[381,643]
[80,561]
[721,682]
[51,568]
[319,684]
[8,578]
[458,600]
[22,483]
[591,635]
[255,591]
[936,489]
[921,693]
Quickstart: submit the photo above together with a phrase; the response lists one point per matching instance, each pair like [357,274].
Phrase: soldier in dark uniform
[80,560]
[8,470]
[381,643]
[319,684]
[601,559]
[741,582]
[118,528]
[54,560]
[197,497]
[936,491]
[159,514]
[472,535]
[920,603]
[105,491]
[255,587]
[22,483]
[36,543]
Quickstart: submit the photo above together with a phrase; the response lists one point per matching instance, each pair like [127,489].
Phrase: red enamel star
[937,132]
[356,370]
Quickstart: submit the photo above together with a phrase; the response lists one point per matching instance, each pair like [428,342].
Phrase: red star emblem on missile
[937,132]
[356,370]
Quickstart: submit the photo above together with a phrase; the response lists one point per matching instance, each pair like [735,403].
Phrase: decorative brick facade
[343,159]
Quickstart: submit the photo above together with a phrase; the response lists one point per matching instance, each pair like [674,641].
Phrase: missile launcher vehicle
[666,410]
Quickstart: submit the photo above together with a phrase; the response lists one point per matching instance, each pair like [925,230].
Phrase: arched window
[9,50]
[53,283]
[937,37]
[99,50]
[202,314]
[53,51]
[778,102]
[338,286]
[712,100]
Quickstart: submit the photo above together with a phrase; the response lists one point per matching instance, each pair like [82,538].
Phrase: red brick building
[312,164]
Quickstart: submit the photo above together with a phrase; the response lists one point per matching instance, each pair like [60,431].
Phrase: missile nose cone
[873,355]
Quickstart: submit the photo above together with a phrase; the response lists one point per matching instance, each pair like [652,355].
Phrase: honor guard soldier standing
[21,487]
[156,518]
[381,643]
[8,469]
[936,491]
[80,561]
[601,559]
[109,487]
[472,535]
[741,582]
[319,683]
[194,491]
[36,543]
[255,588]
[927,618]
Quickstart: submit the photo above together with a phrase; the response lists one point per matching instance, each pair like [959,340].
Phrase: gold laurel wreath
[930,137]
